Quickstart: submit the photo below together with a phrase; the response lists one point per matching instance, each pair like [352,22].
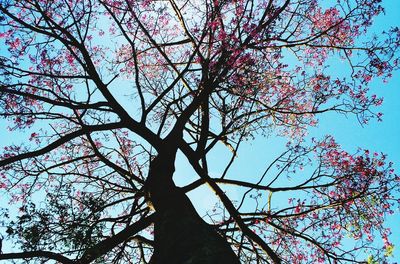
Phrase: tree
[198,75]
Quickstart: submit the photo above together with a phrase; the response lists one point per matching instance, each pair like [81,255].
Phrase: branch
[192,157]
[108,244]
[71,105]
[37,254]
[256,186]
[59,142]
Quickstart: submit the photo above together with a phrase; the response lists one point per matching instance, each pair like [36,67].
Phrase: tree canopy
[107,92]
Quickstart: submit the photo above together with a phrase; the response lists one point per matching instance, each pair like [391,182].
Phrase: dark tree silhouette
[111,90]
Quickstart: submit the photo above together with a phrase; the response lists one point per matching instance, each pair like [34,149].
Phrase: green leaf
[371,260]
[389,251]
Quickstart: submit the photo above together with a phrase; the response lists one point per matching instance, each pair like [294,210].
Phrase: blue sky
[376,136]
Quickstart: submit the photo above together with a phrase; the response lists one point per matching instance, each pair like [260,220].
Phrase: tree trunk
[180,234]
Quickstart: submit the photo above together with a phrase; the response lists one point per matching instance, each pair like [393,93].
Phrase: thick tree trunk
[180,234]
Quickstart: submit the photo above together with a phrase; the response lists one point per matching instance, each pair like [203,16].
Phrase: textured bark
[180,234]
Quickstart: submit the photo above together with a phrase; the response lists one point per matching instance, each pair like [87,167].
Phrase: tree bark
[180,234]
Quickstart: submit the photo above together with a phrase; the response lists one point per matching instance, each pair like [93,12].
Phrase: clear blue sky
[376,136]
